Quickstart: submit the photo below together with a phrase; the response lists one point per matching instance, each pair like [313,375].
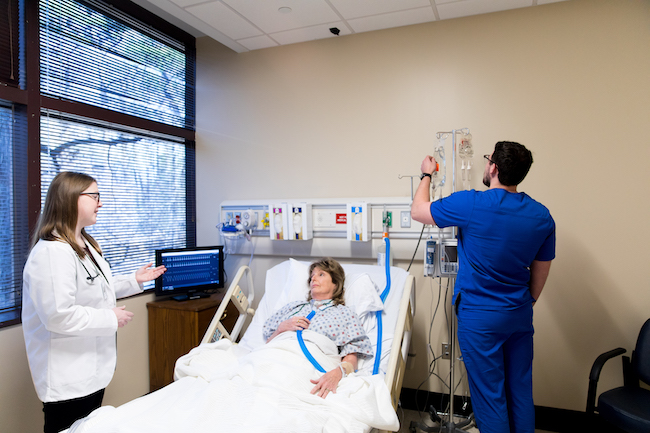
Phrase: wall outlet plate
[445,351]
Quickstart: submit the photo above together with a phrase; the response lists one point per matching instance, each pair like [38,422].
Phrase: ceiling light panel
[265,15]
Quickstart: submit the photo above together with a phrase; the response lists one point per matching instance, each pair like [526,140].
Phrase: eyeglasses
[93,195]
[488,158]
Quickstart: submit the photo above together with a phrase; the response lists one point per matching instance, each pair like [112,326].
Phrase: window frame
[30,101]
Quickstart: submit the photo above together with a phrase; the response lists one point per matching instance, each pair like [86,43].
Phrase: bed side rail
[234,301]
[401,341]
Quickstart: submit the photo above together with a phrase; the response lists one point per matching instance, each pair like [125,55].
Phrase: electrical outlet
[405,219]
[445,351]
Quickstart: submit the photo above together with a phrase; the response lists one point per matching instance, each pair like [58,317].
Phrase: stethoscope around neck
[90,278]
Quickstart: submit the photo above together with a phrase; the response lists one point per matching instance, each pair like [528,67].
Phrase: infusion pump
[441,258]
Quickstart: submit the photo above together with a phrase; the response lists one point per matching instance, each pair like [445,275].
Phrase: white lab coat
[68,322]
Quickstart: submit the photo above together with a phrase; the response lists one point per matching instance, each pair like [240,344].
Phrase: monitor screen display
[190,271]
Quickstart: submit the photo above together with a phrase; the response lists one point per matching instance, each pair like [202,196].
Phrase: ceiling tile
[395,19]
[363,8]
[258,42]
[310,33]
[448,9]
[223,18]
[265,15]
[185,3]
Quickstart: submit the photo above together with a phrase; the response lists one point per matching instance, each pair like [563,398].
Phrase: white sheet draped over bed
[222,387]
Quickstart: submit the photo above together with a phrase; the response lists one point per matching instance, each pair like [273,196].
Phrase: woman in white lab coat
[69,315]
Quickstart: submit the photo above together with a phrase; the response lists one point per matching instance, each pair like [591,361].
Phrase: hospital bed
[234,381]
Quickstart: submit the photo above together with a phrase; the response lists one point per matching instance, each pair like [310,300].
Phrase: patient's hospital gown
[337,322]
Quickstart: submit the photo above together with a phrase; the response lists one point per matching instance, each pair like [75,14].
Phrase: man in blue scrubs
[506,241]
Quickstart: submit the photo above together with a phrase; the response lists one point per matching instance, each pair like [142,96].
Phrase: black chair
[626,407]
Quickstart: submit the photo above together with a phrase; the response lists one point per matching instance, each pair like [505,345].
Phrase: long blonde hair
[58,220]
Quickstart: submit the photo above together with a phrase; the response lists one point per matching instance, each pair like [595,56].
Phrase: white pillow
[361,295]
[296,287]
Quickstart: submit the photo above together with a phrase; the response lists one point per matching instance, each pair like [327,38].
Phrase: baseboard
[546,418]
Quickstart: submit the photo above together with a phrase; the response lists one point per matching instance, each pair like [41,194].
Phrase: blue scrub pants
[497,348]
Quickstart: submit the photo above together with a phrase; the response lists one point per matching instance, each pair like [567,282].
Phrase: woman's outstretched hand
[147,273]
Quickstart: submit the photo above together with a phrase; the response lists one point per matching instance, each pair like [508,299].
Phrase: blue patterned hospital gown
[337,322]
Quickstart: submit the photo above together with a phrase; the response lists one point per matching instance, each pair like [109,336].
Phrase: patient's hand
[327,383]
[295,323]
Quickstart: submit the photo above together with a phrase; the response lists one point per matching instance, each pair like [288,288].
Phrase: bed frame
[237,300]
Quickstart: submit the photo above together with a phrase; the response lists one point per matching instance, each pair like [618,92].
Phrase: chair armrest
[594,375]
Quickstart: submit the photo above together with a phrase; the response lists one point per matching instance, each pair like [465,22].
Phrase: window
[94,58]
[14,235]
[10,42]
[114,86]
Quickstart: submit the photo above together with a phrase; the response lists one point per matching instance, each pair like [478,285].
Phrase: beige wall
[343,117]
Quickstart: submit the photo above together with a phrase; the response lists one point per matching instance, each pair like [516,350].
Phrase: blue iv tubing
[304,348]
[383,297]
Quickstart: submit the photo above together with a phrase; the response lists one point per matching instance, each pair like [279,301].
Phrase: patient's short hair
[336,272]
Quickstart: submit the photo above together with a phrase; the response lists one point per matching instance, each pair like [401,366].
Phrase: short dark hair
[513,161]
[336,272]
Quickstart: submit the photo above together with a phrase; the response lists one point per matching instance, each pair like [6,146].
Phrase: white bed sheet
[224,388]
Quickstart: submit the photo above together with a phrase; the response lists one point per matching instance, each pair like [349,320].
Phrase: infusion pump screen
[189,269]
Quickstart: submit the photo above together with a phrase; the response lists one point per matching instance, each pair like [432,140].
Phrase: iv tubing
[383,297]
[304,348]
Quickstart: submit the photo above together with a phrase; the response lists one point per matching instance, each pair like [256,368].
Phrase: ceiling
[245,25]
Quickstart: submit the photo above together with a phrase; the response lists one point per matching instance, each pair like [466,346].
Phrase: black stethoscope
[90,278]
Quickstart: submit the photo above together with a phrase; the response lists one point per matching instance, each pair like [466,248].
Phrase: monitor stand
[190,295]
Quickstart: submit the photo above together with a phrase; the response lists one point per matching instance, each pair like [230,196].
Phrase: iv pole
[449,426]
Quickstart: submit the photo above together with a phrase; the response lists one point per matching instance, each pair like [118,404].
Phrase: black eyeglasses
[488,158]
[93,195]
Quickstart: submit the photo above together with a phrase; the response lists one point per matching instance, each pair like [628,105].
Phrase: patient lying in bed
[223,386]
[330,318]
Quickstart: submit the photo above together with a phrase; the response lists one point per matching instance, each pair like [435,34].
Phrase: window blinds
[92,53]
[14,236]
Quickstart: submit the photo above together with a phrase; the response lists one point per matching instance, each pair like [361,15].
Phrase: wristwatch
[425,174]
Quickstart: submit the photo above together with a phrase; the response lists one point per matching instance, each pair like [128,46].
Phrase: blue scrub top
[500,233]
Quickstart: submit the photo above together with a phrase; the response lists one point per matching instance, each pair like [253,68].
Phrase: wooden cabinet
[174,329]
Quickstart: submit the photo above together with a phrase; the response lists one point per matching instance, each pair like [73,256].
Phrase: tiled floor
[406,416]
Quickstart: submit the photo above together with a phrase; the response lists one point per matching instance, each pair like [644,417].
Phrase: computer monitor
[190,272]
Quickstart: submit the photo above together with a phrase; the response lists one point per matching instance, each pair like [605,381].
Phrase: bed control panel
[219,333]
[240,299]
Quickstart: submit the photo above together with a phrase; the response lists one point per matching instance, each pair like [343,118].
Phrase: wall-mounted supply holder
[358,222]
[300,221]
[279,221]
